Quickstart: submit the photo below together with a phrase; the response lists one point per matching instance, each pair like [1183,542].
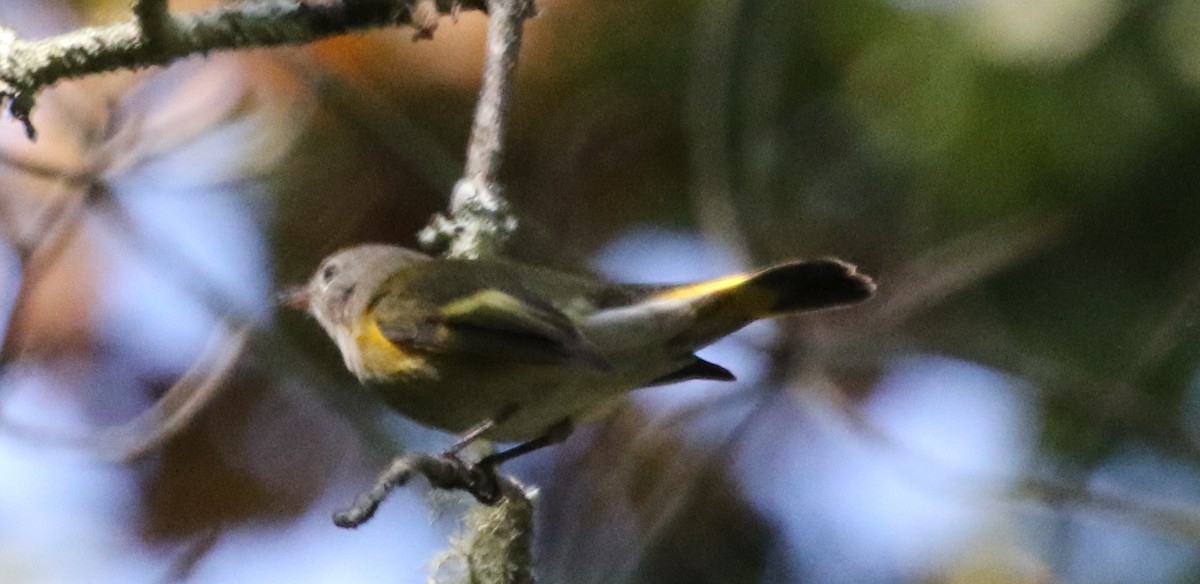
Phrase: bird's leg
[485,486]
[554,434]
[474,432]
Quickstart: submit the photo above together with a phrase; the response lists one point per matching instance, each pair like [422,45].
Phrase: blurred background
[1021,403]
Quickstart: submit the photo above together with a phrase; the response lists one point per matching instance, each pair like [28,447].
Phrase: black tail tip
[816,284]
[856,285]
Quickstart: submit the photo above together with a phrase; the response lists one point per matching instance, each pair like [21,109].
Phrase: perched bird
[510,352]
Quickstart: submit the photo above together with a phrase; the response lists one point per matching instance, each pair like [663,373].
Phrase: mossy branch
[495,547]
[155,37]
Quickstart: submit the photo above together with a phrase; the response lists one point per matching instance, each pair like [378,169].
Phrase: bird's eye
[329,272]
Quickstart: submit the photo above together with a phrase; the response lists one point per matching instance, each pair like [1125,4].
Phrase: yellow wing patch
[381,357]
[689,291]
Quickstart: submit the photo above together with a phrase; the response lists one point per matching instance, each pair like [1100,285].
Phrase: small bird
[509,352]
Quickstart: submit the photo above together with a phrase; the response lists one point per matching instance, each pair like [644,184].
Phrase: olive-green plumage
[454,343]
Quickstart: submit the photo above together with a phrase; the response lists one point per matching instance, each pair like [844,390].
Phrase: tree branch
[443,472]
[505,29]
[153,19]
[497,547]
[480,221]
[155,37]
[499,534]
[51,234]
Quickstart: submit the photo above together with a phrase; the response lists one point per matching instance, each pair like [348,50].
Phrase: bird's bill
[297,297]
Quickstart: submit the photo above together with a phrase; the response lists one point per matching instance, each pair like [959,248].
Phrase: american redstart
[512,352]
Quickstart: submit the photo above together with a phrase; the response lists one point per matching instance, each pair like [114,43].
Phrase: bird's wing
[485,321]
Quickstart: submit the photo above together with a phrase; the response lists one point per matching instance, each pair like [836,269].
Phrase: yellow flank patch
[381,357]
[703,288]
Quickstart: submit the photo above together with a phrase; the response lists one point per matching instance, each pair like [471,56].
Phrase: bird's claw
[478,479]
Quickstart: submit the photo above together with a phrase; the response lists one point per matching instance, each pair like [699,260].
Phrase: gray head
[343,284]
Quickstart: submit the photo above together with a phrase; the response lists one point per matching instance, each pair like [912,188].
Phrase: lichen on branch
[480,221]
[156,37]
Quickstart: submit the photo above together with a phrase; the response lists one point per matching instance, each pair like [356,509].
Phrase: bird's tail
[804,286]
[726,304]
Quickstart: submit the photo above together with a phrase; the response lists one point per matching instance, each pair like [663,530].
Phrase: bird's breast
[373,357]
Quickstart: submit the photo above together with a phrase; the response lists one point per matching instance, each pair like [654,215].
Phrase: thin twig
[368,110]
[671,511]
[1171,329]
[708,119]
[486,149]
[442,472]
[28,66]
[954,266]
[1169,517]
[480,221]
[50,235]
[166,418]
[175,410]
[77,175]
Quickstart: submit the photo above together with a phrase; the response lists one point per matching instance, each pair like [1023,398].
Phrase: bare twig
[708,119]
[442,472]
[47,237]
[1171,329]
[952,267]
[174,411]
[368,110]
[505,28]
[50,235]
[154,38]
[1174,518]
[479,221]
[498,535]
[75,175]
[166,418]
[169,415]
[679,497]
